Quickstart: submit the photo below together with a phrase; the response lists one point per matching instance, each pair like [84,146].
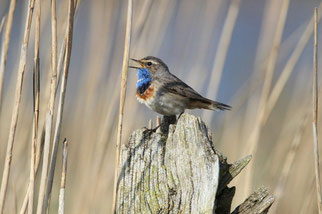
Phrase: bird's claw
[150,131]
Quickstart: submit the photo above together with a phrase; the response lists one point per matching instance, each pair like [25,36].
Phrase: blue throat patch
[144,79]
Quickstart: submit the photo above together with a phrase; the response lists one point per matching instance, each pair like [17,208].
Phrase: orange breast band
[148,93]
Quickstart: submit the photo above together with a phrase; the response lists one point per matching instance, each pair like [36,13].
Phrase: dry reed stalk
[157,31]
[309,197]
[142,18]
[263,48]
[51,105]
[105,147]
[210,19]
[290,158]
[59,116]
[316,114]
[1,54]
[221,53]
[92,79]
[36,94]
[93,82]
[4,52]
[158,121]
[242,94]
[15,198]
[62,51]
[127,43]
[21,71]
[266,34]
[63,179]
[37,161]
[289,161]
[150,124]
[240,98]
[2,23]
[252,142]
[289,68]
[38,150]
[251,84]
[61,58]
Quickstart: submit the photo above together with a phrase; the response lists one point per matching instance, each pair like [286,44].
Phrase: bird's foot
[166,121]
[164,125]
[150,131]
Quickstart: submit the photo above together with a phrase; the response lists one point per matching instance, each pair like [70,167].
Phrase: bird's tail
[219,106]
[209,104]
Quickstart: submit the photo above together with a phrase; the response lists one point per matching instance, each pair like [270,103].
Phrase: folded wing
[177,87]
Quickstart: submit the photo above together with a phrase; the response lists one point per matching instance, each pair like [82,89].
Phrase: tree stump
[180,171]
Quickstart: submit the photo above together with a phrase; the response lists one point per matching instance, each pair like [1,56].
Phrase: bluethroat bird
[165,93]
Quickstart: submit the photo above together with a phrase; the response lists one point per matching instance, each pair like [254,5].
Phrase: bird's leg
[180,114]
[150,130]
[166,121]
[164,126]
[179,117]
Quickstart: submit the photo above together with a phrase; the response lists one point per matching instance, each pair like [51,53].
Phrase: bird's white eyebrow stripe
[154,62]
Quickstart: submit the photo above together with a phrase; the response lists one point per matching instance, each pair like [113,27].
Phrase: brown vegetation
[272,104]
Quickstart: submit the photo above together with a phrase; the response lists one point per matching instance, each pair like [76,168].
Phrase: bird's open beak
[137,61]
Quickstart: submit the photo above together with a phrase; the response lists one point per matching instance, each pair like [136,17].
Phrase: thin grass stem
[289,162]
[14,119]
[38,153]
[2,23]
[50,112]
[61,103]
[252,142]
[36,95]
[61,200]
[4,52]
[126,54]
[37,161]
[316,114]
[289,68]
[221,53]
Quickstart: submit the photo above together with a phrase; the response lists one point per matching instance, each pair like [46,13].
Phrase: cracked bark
[180,171]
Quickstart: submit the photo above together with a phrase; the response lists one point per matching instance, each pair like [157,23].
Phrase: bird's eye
[149,63]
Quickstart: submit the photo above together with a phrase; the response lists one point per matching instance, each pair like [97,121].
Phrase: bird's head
[151,64]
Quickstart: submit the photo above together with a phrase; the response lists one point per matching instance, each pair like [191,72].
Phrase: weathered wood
[258,203]
[178,171]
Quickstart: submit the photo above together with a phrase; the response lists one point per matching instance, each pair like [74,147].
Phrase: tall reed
[126,55]
[50,111]
[315,114]
[14,119]
[252,142]
[36,97]
[186,37]
[61,206]
[5,47]
[69,38]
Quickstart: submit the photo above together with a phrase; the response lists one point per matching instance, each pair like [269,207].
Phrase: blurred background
[228,50]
